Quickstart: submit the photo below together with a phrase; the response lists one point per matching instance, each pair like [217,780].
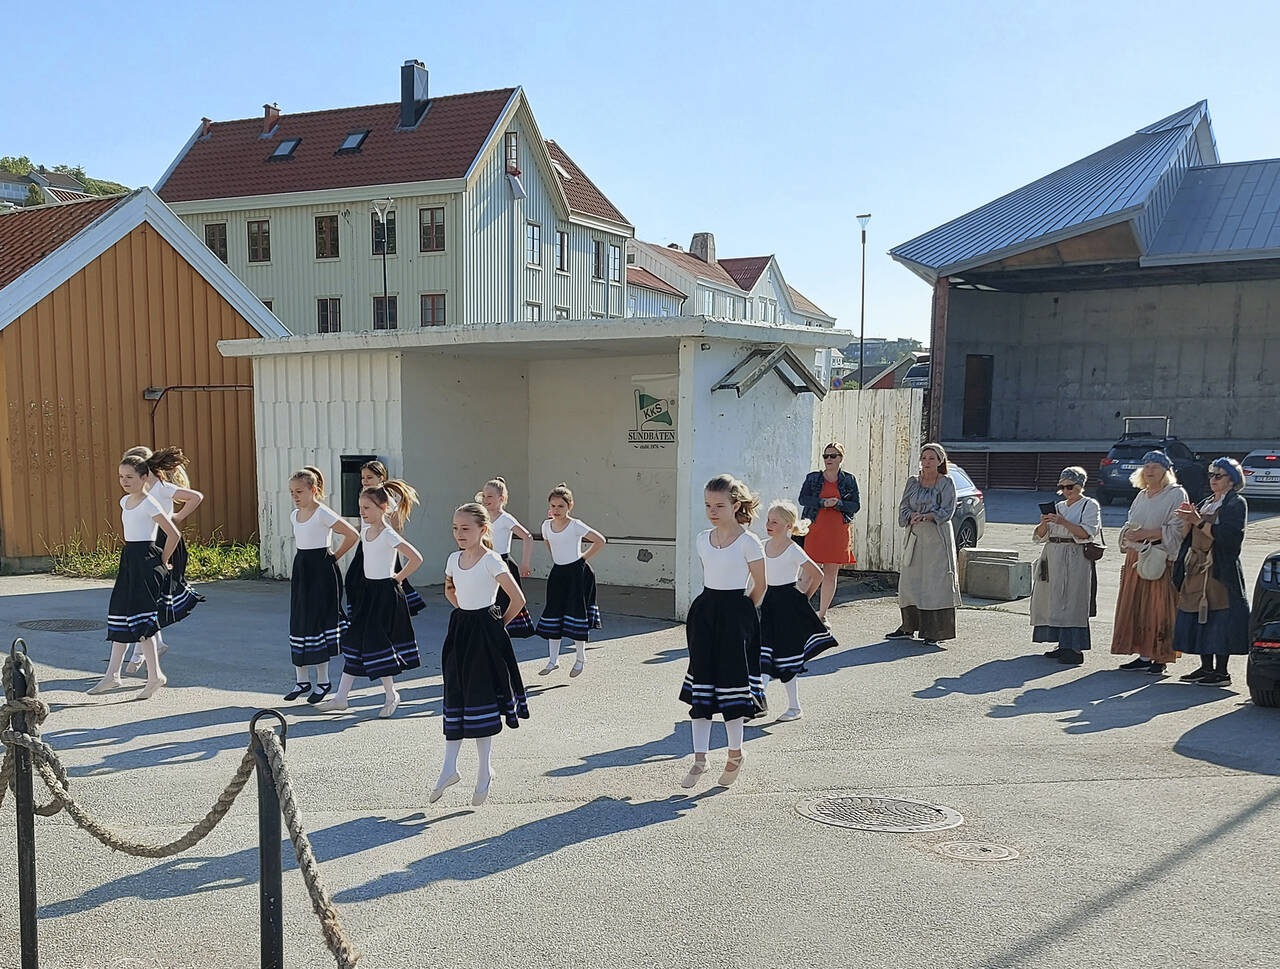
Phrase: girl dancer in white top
[722,629]
[570,611]
[373,474]
[379,642]
[167,483]
[315,589]
[504,527]
[482,685]
[790,631]
[134,613]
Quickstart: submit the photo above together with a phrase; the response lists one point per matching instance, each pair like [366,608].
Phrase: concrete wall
[583,428]
[311,409]
[464,422]
[1068,366]
[764,438]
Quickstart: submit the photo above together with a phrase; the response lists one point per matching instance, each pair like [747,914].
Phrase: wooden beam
[937,354]
[751,377]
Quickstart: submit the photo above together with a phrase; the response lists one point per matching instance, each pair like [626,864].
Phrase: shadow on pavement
[528,842]
[193,875]
[991,677]
[675,746]
[833,661]
[1108,700]
[1241,740]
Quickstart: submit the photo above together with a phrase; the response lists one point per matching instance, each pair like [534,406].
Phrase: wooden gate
[880,431]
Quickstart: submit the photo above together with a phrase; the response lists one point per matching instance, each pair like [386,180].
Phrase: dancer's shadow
[77,738]
[1107,700]
[872,654]
[991,677]
[528,842]
[1243,739]
[674,746]
[672,655]
[194,875]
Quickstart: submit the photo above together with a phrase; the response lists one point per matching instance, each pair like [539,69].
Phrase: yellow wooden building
[110,315]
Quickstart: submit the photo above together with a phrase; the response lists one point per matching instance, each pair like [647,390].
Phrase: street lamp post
[862,326]
[380,208]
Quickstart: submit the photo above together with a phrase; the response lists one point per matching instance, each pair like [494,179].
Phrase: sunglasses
[831,457]
[1068,487]
[1217,474]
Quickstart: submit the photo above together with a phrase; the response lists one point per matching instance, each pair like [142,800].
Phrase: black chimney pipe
[413,93]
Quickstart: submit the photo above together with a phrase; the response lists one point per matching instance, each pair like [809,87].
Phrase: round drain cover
[976,851]
[63,625]
[894,814]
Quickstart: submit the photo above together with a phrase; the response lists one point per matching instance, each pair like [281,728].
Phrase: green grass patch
[207,560]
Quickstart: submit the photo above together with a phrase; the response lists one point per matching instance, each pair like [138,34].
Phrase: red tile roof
[639,276]
[67,194]
[28,235]
[745,271]
[693,265]
[582,193]
[804,306]
[232,161]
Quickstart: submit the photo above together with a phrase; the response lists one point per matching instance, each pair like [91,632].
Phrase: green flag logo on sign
[651,410]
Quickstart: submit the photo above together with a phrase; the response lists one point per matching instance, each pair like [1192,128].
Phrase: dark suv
[1126,455]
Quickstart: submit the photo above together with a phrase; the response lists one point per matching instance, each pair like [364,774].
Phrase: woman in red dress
[829,499]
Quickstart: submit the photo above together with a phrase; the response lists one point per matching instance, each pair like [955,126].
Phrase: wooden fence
[880,431]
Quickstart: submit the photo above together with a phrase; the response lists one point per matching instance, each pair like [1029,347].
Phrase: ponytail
[481,515]
[313,477]
[406,497]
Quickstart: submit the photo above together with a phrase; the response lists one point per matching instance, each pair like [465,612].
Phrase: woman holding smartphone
[1062,581]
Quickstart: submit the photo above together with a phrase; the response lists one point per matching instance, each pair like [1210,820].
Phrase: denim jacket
[811,491]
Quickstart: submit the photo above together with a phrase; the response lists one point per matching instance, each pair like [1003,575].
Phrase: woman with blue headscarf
[1213,613]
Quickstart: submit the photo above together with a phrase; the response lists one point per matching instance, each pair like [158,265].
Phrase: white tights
[484,751]
[347,681]
[792,687]
[702,735]
[553,651]
[322,673]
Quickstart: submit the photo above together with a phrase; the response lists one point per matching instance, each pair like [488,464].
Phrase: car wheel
[1265,698]
[1104,497]
[967,535]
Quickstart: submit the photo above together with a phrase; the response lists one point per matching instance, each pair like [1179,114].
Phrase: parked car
[1262,474]
[970,519]
[917,376]
[1263,672]
[1126,455]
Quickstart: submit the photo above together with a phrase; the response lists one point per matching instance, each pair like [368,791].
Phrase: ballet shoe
[482,793]
[337,705]
[134,665]
[697,770]
[443,786]
[577,669]
[732,771]
[389,708]
[788,715]
[153,687]
[106,685]
[548,669]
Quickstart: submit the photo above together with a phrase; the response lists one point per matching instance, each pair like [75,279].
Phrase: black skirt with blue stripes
[178,598]
[790,632]
[316,620]
[141,581]
[356,583]
[570,611]
[482,685]
[723,633]
[521,627]
[379,639]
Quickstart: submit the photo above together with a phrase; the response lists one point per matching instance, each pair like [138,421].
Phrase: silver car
[970,519]
[1262,474]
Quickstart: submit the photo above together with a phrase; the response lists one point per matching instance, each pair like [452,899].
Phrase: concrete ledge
[1002,580]
[967,555]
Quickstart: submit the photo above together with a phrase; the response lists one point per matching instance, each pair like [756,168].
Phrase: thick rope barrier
[49,766]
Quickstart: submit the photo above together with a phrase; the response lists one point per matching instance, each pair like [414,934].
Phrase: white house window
[433,309]
[328,315]
[709,303]
[533,244]
[285,149]
[597,260]
[533,311]
[562,312]
[615,264]
[354,140]
[512,144]
[562,250]
[632,305]
[384,313]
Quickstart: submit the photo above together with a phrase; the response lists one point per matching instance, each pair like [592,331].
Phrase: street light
[862,326]
[380,208]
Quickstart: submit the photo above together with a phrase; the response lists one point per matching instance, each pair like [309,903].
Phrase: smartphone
[1048,508]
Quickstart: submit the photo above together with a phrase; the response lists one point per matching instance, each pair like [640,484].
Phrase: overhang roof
[1221,213]
[639,276]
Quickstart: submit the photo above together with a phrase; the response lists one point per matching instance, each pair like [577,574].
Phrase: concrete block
[967,555]
[1001,580]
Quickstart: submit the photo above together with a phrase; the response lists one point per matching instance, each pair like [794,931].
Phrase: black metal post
[25,803]
[270,878]
[862,318]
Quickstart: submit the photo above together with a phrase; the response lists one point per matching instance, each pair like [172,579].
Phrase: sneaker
[1195,675]
[932,643]
[899,633]
[1137,664]
[1156,669]
[1071,657]
[1216,679]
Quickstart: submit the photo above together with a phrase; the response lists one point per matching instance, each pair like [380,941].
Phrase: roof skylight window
[354,140]
[285,148]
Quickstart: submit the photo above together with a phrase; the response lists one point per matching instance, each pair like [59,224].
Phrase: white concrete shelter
[625,411]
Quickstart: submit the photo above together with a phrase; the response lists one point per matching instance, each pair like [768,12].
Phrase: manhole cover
[63,625]
[976,851]
[893,814]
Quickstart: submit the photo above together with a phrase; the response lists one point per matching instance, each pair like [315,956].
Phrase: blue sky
[769,125]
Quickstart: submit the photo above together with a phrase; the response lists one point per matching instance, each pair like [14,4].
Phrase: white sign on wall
[654,404]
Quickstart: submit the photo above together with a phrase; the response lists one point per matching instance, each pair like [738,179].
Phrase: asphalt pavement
[1143,811]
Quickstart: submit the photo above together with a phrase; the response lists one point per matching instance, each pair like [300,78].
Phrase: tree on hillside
[15,166]
[34,195]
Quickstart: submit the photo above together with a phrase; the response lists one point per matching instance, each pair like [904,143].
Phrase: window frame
[374,223]
[264,240]
[334,250]
[533,244]
[598,260]
[392,302]
[511,152]
[422,308]
[562,251]
[437,228]
[533,311]
[214,225]
[614,265]
[568,313]
[332,310]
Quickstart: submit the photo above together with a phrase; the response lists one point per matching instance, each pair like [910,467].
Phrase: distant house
[750,288]
[58,187]
[1142,279]
[110,314]
[486,221]
[14,188]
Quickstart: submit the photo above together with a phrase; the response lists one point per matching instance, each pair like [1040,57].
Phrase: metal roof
[1221,212]
[1107,187]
